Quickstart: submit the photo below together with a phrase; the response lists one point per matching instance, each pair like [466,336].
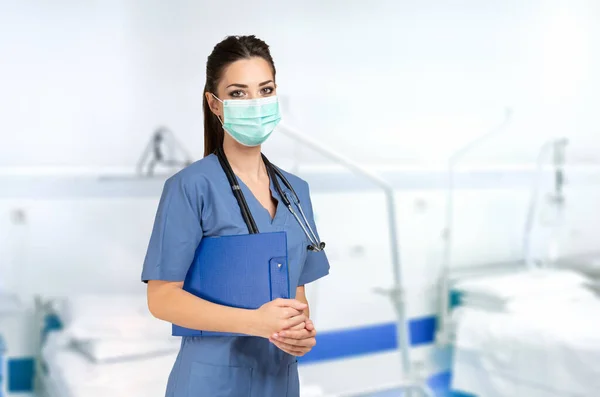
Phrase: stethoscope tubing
[274,173]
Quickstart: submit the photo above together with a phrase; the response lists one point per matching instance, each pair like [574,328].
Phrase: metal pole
[396,293]
[559,146]
[442,336]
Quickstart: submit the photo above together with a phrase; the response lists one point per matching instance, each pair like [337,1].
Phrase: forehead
[252,71]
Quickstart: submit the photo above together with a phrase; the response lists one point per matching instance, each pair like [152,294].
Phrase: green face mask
[250,121]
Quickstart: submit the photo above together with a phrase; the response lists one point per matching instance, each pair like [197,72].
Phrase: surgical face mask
[250,121]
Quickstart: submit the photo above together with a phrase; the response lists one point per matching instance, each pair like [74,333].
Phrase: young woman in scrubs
[239,115]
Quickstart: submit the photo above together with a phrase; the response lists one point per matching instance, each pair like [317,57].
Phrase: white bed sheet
[499,289]
[71,374]
[537,350]
[471,375]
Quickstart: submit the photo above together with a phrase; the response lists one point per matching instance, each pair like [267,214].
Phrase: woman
[240,112]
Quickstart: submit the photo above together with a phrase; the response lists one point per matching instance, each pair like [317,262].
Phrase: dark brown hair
[232,49]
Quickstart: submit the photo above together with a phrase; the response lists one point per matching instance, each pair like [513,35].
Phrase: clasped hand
[287,327]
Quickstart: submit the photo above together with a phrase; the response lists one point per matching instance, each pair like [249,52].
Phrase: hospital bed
[101,346]
[106,345]
[587,264]
[523,332]
[524,328]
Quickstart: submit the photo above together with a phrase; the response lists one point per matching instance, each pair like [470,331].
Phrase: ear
[214,105]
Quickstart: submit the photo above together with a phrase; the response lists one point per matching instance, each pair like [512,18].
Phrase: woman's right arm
[169,302]
[176,234]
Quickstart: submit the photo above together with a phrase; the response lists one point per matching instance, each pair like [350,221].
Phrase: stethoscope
[274,172]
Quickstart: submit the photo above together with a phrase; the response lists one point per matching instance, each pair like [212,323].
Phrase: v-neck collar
[274,194]
[280,213]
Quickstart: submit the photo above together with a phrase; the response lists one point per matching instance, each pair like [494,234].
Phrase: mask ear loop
[218,117]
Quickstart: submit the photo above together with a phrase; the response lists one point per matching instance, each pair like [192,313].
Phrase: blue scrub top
[198,202]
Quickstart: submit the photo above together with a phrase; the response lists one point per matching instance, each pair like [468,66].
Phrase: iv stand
[396,293]
[559,147]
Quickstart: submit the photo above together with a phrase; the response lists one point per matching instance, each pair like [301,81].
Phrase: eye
[268,90]
[236,94]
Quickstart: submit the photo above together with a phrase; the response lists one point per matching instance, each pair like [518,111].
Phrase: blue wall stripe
[331,345]
[372,339]
[348,342]
[20,374]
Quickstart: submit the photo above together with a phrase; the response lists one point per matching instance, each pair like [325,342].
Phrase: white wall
[84,84]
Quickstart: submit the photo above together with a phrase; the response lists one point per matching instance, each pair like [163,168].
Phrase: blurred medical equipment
[557,200]
[410,382]
[525,327]
[17,251]
[162,149]
[444,336]
[441,336]
[13,344]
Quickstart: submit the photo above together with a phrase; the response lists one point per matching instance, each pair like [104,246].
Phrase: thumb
[309,325]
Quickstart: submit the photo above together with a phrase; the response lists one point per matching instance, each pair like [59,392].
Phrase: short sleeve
[176,233]
[316,265]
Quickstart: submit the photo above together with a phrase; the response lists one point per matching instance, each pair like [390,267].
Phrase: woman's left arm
[301,296]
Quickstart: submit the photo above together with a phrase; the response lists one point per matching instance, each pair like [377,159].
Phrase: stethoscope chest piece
[319,248]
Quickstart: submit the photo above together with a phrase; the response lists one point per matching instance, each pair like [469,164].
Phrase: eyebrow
[245,86]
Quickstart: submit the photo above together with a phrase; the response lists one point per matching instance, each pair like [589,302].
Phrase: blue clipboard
[243,271]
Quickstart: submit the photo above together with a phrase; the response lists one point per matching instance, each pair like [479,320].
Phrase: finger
[296,329]
[293,303]
[296,334]
[292,351]
[286,349]
[303,342]
[299,327]
[297,343]
[309,325]
[289,312]
[293,334]
[293,321]
[292,347]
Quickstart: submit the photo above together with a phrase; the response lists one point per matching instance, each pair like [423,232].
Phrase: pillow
[551,301]
[524,283]
[110,317]
[111,350]
[131,328]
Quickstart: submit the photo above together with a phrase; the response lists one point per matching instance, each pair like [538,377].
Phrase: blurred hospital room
[452,149]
